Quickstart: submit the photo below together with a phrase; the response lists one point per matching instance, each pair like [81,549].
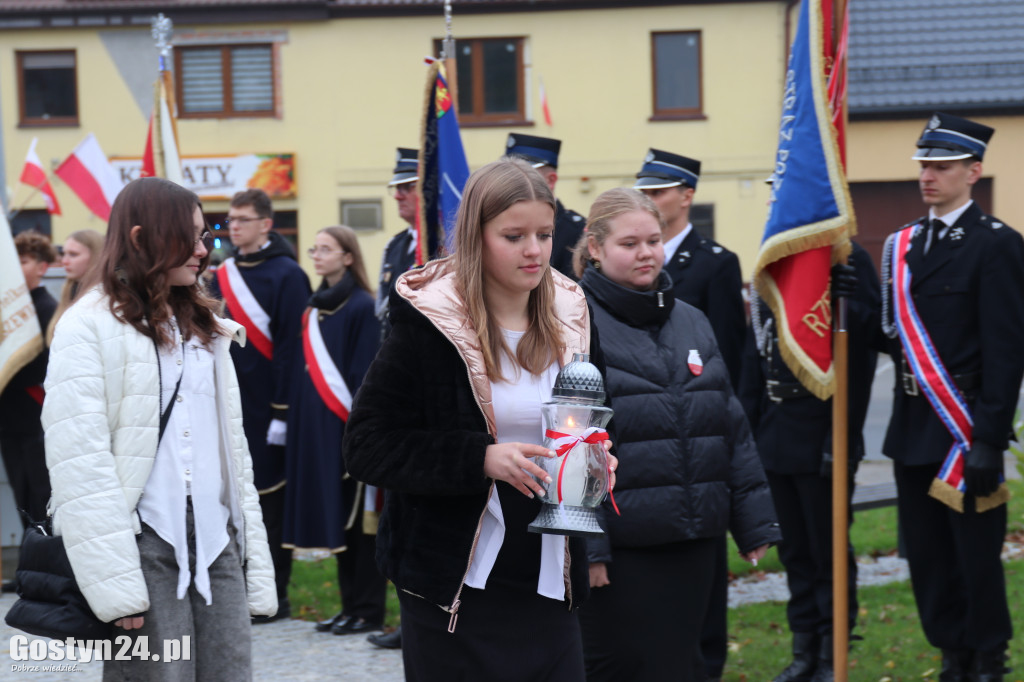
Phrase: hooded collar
[635,308]
[276,246]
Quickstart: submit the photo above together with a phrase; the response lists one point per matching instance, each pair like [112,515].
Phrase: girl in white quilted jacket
[151,475]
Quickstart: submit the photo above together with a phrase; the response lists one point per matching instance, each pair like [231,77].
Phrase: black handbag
[50,603]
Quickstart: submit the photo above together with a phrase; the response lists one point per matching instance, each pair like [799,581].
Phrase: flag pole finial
[162,30]
[448,44]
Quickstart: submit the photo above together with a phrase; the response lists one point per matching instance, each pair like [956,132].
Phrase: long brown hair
[134,271]
[606,208]
[74,288]
[489,192]
[349,243]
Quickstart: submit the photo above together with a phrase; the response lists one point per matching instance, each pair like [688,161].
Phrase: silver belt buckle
[770,385]
[910,385]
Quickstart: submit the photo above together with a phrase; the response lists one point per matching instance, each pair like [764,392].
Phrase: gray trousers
[220,634]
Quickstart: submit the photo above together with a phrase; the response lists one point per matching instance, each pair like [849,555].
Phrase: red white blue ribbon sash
[329,383]
[244,308]
[943,395]
[564,443]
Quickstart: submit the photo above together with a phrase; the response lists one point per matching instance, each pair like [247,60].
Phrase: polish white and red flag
[89,175]
[33,175]
[544,103]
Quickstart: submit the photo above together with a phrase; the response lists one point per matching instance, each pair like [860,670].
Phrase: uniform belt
[967,383]
[778,391]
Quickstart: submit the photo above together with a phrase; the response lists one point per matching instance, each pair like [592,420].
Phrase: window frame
[24,121]
[226,86]
[376,203]
[481,119]
[677,113]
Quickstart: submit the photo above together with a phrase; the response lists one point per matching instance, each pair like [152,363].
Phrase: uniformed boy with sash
[400,253]
[707,276]
[265,290]
[953,309]
[542,154]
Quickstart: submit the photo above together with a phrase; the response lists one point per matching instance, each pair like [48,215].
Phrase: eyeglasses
[242,219]
[404,188]
[206,237]
[322,250]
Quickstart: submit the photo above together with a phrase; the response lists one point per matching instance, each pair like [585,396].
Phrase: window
[702,216]
[490,80]
[677,70]
[47,88]
[225,81]
[362,214]
[37,219]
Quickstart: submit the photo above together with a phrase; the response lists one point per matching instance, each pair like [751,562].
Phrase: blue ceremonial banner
[443,169]
[810,217]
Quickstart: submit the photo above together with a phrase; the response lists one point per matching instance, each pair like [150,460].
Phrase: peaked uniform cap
[538,151]
[948,138]
[406,166]
[665,169]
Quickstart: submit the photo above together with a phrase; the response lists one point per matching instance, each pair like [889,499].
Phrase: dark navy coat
[707,276]
[319,497]
[969,292]
[793,434]
[568,229]
[282,289]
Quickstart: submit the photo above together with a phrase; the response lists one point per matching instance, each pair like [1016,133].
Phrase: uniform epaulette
[992,222]
[714,247]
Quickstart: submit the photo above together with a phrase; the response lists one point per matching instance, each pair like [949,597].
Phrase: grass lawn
[893,649]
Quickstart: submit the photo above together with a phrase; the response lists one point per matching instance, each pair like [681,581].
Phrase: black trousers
[955,565]
[803,504]
[646,623]
[25,461]
[714,638]
[272,505]
[363,588]
[500,636]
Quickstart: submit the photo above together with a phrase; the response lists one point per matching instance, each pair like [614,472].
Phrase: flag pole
[840,429]
[21,207]
[448,56]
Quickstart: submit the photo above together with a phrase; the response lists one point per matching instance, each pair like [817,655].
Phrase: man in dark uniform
[399,256]
[542,154]
[266,291]
[21,403]
[707,276]
[400,253]
[966,288]
[793,429]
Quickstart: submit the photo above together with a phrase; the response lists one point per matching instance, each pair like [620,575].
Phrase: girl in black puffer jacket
[689,467]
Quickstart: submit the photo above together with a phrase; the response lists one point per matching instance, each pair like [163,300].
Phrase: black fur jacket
[420,426]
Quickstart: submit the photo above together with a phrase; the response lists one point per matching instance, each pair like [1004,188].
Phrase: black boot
[825,671]
[988,666]
[805,658]
[955,665]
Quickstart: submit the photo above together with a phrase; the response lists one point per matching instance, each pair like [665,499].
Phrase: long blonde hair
[489,192]
[347,240]
[73,288]
[606,208]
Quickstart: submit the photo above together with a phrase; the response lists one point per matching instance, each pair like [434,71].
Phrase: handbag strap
[165,416]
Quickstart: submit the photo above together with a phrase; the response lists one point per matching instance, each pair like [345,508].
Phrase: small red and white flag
[33,175]
[161,157]
[694,362]
[544,103]
[89,175]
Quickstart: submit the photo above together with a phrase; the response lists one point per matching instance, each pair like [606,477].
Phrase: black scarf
[328,298]
[635,308]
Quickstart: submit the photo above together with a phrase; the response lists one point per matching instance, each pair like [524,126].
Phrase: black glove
[984,464]
[844,281]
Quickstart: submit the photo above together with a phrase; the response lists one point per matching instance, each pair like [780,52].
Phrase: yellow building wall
[882,151]
[352,91]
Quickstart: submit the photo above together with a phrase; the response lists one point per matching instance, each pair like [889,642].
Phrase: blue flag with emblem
[810,216]
[443,169]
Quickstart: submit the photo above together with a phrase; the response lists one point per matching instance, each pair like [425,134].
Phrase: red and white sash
[934,379]
[329,383]
[244,308]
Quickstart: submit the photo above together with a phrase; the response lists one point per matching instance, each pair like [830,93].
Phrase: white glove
[276,432]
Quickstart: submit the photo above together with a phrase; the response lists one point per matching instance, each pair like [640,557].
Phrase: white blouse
[188,463]
[517,403]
